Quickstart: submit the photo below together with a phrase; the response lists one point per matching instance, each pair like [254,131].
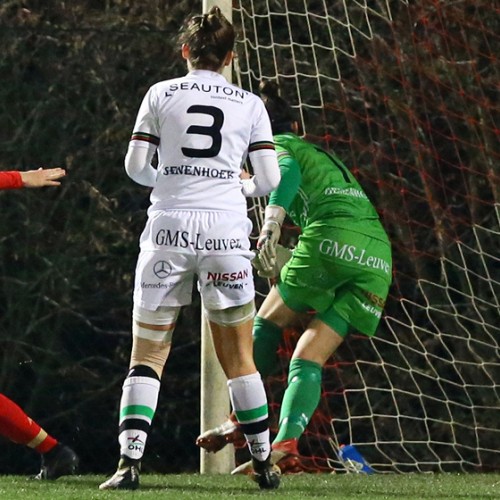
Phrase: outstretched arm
[42,177]
[31,178]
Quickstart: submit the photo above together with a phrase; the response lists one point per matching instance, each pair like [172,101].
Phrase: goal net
[404,92]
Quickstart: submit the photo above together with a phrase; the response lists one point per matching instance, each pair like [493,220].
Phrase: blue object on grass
[353,460]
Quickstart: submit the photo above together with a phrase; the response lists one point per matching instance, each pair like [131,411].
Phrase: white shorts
[177,246]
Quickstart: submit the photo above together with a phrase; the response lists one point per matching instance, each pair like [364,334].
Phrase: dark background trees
[73,76]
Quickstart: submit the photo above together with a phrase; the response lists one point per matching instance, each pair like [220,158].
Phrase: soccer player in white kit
[203,129]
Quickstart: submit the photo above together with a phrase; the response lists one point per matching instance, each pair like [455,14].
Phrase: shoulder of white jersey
[254,103]
[239,90]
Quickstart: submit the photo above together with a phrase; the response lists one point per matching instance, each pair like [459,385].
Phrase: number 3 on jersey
[213,131]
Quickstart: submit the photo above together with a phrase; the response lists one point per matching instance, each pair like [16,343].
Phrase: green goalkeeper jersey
[316,188]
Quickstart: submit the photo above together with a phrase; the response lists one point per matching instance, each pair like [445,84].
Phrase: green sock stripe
[145,411]
[253,414]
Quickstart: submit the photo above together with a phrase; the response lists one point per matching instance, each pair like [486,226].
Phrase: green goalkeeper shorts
[342,275]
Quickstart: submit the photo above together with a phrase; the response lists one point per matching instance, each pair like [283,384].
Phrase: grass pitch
[293,487]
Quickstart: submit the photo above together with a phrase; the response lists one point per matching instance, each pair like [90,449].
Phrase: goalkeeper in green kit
[341,269]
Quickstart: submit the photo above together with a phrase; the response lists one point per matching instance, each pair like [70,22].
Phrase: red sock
[18,427]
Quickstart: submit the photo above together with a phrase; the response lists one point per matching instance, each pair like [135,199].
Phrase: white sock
[137,408]
[249,401]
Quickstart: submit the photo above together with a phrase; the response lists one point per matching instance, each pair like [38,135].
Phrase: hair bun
[268,89]
[211,19]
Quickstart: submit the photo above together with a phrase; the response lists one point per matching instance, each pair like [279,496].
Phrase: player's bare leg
[273,316]
[233,346]
[150,350]
[229,432]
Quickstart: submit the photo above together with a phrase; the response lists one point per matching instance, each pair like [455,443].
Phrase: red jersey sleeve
[10,180]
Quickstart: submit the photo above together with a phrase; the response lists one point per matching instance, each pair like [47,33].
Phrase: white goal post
[215,406]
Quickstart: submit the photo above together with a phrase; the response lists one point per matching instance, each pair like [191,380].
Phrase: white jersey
[204,128]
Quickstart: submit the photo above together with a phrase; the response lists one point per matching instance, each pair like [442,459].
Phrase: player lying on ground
[198,226]
[341,268]
[57,459]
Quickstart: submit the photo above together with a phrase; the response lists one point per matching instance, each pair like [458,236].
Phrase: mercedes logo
[162,269]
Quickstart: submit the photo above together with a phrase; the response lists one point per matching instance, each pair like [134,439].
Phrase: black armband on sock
[142,371]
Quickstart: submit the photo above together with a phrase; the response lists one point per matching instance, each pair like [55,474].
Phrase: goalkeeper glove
[283,255]
[274,215]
